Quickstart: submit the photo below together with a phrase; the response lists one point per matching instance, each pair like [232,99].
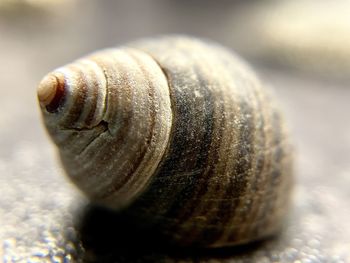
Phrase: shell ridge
[149,136]
[172,102]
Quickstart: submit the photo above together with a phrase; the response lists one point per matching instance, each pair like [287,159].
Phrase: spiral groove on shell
[178,132]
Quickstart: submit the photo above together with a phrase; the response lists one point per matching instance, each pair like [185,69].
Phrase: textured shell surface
[179,133]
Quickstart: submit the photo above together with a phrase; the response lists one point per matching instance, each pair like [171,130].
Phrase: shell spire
[51,91]
[110,116]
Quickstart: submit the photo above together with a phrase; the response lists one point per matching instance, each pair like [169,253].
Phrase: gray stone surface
[43,218]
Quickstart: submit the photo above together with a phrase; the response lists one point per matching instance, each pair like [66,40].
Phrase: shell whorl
[113,124]
[184,136]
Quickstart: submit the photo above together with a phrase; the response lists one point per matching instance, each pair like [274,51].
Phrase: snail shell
[177,132]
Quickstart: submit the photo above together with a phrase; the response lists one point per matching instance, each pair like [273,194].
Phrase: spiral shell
[177,132]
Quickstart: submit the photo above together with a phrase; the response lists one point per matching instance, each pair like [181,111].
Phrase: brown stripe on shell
[256,182]
[228,211]
[205,116]
[271,210]
[200,205]
[177,187]
[77,105]
[89,118]
[212,209]
[139,156]
[117,183]
[77,138]
[123,122]
[243,198]
[264,209]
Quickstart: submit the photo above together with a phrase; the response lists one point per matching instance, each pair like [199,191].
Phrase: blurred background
[300,48]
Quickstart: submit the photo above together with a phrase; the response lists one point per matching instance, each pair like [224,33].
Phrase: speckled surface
[44,218]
